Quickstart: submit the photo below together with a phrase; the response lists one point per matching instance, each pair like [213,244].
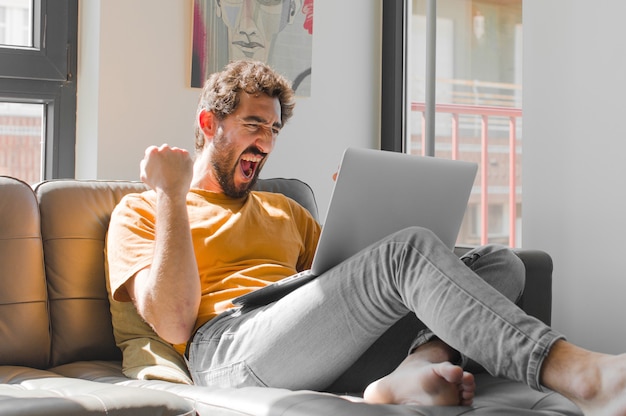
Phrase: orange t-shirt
[240,244]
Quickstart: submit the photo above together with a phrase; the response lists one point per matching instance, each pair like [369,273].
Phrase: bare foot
[595,382]
[422,382]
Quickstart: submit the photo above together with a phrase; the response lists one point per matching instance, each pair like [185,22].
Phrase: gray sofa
[57,350]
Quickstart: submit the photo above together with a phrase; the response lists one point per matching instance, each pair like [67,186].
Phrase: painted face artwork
[253,25]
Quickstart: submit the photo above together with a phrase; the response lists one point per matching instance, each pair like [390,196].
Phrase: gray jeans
[311,336]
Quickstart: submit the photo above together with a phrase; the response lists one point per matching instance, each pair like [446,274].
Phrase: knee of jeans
[415,232]
[515,269]
[496,262]
[519,271]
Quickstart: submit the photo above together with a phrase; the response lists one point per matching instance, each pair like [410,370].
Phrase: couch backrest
[74,221]
[75,217]
[295,189]
[24,323]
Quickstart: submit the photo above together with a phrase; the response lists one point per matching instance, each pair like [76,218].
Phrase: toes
[449,372]
[467,402]
[467,389]
[467,382]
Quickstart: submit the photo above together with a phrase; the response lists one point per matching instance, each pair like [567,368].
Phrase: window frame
[46,74]
[394,97]
[393,76]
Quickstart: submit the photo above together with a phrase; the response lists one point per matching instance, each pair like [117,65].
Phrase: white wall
[574,179]
[134,65]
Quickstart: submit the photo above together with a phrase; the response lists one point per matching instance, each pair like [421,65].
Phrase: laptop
[376,194]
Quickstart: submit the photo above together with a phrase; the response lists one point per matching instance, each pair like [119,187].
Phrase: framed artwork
[277,32]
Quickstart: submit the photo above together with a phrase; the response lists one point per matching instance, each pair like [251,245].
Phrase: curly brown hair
[220,94]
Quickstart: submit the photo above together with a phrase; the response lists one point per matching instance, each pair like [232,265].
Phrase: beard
[225,164]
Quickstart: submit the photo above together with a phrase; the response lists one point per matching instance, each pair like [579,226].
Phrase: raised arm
[167,294]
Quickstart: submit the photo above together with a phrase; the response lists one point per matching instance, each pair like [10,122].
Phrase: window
[451,88]
[38,88]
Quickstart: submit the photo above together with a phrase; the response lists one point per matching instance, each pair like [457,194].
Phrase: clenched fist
[167,169]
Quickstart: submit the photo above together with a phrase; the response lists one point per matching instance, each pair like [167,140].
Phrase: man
[184,250]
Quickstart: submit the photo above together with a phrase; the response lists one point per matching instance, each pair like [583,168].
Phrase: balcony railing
[484,113]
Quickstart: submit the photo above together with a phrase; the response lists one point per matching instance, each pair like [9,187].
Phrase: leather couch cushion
[146,356]
[74,221]
[25,391]
[24,324]
[494,397]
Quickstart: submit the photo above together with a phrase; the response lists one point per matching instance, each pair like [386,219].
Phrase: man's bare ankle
[436,351]
[568,369]
[596,382]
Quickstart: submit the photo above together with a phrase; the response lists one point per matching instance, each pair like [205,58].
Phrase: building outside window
[21,139]
[477,101]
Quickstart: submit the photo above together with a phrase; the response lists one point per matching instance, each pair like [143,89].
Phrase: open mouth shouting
[249,164]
